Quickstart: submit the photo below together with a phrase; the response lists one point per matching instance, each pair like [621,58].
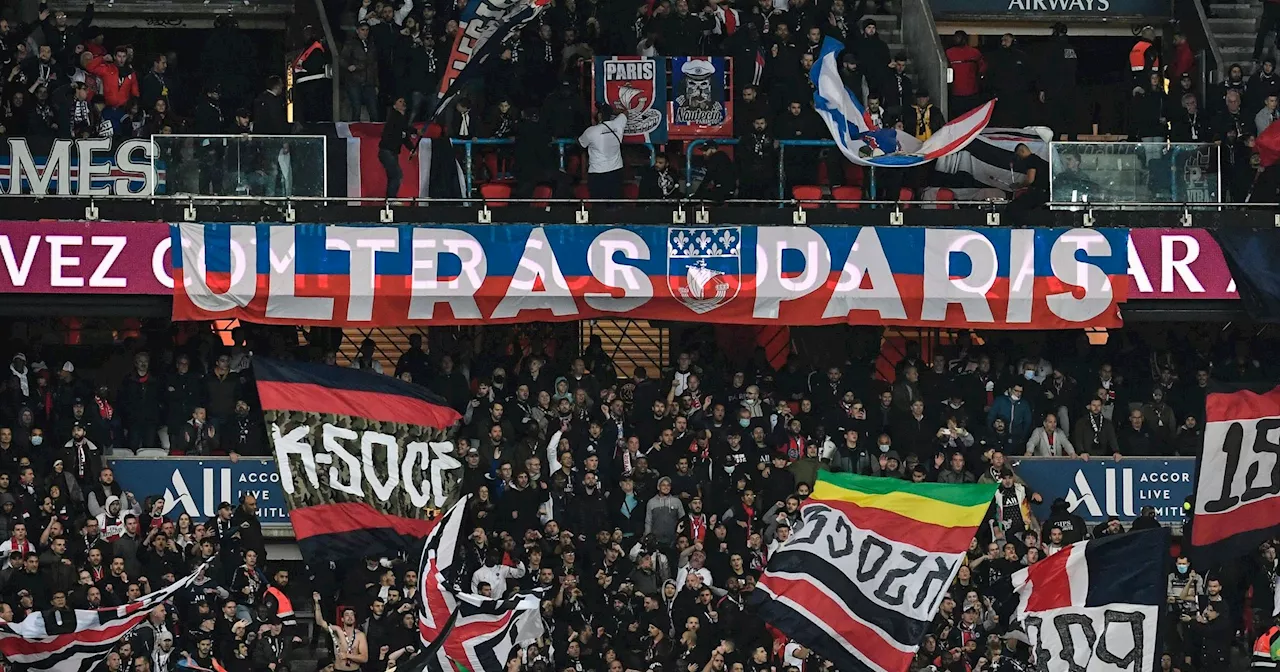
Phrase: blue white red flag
[852,129]
[1095,605]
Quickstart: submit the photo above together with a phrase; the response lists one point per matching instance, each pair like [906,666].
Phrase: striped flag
[460,630]
[361,456]
[862,580]
[989,159]
[852,130]
[37,644]
[1095,605]
[434,173]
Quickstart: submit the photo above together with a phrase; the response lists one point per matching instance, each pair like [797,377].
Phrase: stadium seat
[823,177]
[495,194]
[905,195]
[945,194]
[542,191]
[582,192]
[807,192]
[630,191]
[847,194]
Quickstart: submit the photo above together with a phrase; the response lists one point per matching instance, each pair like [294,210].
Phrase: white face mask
[37,440]
[1015,396]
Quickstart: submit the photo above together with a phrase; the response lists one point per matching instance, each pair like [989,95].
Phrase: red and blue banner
[639,86]
[370,275]
[700,106]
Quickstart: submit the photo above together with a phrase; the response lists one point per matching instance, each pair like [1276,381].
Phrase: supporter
[1008,77]
[603,142]
[361,76]
[968,66]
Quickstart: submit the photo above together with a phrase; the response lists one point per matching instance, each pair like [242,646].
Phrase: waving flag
[484,26]
[1095,605]
[461,631]
[49,640]
[890,148]
[1236,503]
[361,456]
[861,581]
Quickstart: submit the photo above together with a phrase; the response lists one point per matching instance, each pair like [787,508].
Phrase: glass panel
[1134,172]
[240,165]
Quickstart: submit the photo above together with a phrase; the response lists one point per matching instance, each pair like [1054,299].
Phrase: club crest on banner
[638,85]
[704,266]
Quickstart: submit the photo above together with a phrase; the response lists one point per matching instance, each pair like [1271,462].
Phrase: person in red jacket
[967,66]
[119,82]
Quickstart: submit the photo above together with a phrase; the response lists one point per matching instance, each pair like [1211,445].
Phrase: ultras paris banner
[787,275]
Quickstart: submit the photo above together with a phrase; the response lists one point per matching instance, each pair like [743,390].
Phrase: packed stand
[647,505]
[63,79]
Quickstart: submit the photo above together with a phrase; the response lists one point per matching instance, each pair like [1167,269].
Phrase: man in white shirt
[604,154]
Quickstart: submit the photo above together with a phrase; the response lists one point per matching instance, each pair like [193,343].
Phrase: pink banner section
[48,257]
[1177,264]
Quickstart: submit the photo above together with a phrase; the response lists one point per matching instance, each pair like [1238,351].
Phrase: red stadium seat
[905,194]
[823,178]
[581,192]
[847,194]
[945,194]
[539,192]
[807,192]
[630,191]
[495,194]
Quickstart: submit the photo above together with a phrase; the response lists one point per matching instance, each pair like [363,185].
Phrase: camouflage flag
[361,456]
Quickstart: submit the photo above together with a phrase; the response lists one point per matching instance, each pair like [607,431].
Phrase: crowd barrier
[1094,490]
[1127,175]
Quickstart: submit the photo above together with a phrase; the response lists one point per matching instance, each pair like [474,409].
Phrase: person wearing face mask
[849,457]
[1015,411]
[1182,594]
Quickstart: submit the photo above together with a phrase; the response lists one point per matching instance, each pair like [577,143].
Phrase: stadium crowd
[647,505]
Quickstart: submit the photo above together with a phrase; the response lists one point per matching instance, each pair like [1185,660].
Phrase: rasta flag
[861,578]
[361,456]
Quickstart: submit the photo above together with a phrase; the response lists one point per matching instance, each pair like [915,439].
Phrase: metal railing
[469,144]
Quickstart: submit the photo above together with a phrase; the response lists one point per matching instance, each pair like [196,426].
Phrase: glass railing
[240,165]
[1134,172]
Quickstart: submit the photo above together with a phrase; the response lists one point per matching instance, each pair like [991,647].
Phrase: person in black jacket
[244,435]
[139,402]
[154,86]
[1009,78]
[248,528]
[183,391]
[873,57]
[395,134]
[661,181]
[720,182]
[268,109]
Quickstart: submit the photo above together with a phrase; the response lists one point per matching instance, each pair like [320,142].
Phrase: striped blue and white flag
[77,640]
[852,130]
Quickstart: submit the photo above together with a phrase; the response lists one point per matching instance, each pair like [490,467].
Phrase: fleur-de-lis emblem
[679,241]
[703,240]
[715,250]
[727,240]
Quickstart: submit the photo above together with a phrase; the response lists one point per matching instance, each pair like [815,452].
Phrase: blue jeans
[363,95]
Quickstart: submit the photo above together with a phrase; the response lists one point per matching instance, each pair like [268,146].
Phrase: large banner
[83,167]
[1050,9]
[867,565]
[196,485]
[1178,264]
[48,257]
[1237,502]
[361,458]
[1100,488]
[639,85]
[700,105]
[792,275]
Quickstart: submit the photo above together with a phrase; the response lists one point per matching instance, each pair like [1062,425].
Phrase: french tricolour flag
[1106,592]
[850,125]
